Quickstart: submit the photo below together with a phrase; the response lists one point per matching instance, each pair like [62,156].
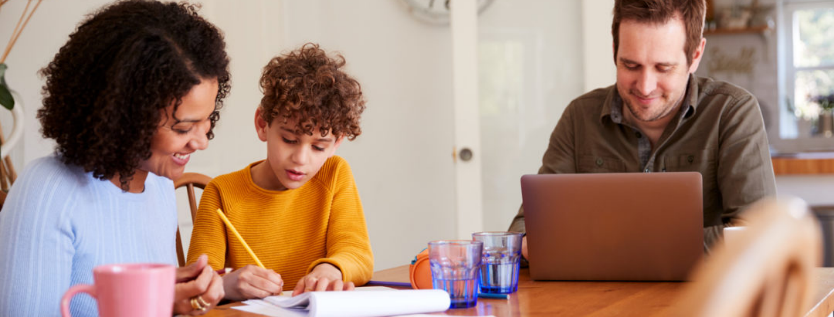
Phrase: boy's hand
[324,277]
[252,281]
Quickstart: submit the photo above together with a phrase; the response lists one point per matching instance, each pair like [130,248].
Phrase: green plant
[826,102]
[5,95]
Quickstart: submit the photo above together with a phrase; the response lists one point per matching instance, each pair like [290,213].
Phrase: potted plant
[825,122]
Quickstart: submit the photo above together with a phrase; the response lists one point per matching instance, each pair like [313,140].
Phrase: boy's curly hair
[309,86]
[106,86]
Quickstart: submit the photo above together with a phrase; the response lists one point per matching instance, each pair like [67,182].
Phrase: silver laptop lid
[620,226]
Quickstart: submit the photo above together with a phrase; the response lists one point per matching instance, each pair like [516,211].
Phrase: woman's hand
[252,281]
[324,277]
[197,282]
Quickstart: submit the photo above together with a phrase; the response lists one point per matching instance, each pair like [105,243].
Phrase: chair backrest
[189,181]
[763,270]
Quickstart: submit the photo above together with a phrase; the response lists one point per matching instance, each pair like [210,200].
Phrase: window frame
[787,78]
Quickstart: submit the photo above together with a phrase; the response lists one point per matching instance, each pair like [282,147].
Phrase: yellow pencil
[239,238]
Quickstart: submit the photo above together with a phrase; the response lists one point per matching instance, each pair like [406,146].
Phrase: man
[660,117]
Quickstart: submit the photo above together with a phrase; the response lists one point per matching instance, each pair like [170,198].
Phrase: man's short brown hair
[691,12]
[309,86]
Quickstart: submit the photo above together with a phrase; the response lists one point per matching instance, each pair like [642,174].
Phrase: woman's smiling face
[183,133]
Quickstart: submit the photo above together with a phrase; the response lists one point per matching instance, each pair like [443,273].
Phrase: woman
[132,94]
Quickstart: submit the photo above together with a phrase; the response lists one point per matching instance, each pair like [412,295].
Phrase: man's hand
[324,277]
[197,280]
[524,247]
[252,281]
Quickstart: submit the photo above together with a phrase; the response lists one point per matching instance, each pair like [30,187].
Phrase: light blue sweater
[58,222]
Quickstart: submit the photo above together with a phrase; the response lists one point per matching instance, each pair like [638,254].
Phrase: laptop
[613,227]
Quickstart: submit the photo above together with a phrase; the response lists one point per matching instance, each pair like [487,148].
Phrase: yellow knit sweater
[290,231]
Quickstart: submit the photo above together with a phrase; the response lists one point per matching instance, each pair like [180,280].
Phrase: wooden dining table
[556,298]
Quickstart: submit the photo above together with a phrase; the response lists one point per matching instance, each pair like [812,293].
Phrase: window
[807,64]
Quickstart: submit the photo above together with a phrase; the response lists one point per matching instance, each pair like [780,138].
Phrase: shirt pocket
[599,164]
[696,161]
[703,162]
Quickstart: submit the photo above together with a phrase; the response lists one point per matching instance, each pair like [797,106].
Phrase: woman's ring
[196,304]
[202,301]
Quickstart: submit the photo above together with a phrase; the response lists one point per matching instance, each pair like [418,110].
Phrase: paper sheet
[351,304]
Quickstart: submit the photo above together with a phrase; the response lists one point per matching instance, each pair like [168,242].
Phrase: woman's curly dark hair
[309,86]
[106,86]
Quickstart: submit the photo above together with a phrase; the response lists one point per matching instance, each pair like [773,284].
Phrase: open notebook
[365,301]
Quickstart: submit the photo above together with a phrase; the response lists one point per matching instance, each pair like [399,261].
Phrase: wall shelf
[748,30]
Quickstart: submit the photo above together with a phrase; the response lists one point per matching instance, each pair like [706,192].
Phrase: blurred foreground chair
[189,181]
[764,269]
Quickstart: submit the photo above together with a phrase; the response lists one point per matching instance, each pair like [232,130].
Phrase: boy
[298,209]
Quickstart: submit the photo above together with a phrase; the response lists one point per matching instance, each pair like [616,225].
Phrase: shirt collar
[691,97]
[612,108]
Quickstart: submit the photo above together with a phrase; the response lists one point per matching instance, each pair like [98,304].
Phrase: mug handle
[65,300]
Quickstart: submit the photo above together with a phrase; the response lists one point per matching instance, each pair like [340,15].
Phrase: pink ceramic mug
[128,290]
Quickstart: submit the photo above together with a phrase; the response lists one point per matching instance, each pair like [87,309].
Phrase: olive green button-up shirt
[718,132]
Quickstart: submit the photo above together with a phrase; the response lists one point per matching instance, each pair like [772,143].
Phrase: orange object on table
[419,272]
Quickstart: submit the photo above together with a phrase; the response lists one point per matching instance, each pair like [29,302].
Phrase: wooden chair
[764,269]
[189,181]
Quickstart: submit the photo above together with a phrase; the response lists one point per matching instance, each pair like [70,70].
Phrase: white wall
[600,70]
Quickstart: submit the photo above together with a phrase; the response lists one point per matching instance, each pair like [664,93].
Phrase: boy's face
[293,159]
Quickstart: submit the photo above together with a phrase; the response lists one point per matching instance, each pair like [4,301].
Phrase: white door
[530,66]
